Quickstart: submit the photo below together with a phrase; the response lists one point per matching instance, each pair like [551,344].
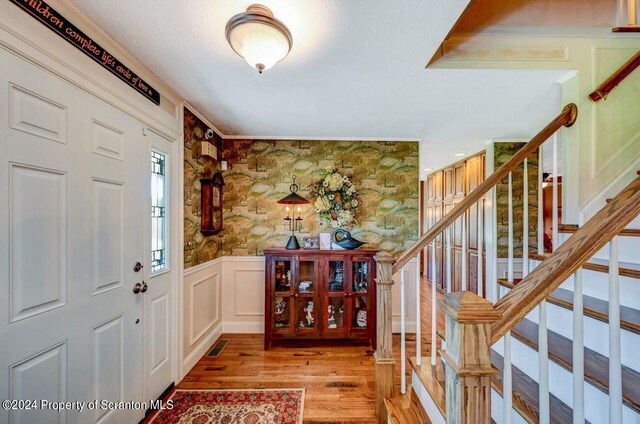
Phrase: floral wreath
[335,198]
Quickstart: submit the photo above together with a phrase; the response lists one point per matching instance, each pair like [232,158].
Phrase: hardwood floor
[338,377]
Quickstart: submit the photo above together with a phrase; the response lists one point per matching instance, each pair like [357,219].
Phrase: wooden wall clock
[211,204]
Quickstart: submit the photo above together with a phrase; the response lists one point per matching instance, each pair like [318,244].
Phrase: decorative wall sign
[49,17]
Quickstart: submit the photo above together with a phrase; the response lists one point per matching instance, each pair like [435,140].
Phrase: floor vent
[217,348]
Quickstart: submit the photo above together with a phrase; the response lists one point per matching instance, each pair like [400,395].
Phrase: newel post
[468,357]
[384,353]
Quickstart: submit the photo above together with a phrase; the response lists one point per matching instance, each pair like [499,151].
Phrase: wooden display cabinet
[320,294]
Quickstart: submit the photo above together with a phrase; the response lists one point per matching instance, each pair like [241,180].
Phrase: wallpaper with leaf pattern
[385,173]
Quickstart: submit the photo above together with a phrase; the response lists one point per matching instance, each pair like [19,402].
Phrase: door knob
[144,287]
[137,267]
[137,288]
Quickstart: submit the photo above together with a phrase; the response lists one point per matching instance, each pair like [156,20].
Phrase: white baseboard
[410,327]
[245,327]
[197,353]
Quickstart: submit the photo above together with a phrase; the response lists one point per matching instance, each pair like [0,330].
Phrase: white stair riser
[497,410]
[628,248]
[561,385]
[596,284]
[425,399]
[560,320]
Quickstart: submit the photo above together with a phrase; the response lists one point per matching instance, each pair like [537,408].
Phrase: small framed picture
[325,241]
[310,243]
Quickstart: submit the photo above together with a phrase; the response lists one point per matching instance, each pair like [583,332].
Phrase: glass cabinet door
[306,313]
[282,306]
[360,276]
[359,312]
[307,276]
[306,285]
[336,313]
[359,294]
[336,276]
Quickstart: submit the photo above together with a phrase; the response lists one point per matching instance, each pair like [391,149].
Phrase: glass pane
[281,312]
[307,277]
[359,312]
[335,313]
[336,276]
[360,276]
[283,276]
[158,213]
[306,313]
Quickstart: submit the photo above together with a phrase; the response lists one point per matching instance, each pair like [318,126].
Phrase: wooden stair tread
[406,409]
[596,366]
[572,228]
[627,269]
[432,378]
[593,307]
[525,395]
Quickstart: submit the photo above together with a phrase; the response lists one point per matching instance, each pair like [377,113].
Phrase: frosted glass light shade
[258,37]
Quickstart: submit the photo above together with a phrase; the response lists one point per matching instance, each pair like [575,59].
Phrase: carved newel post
[384,354]
[468,357]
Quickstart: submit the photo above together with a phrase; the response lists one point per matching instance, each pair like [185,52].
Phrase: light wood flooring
[338,377]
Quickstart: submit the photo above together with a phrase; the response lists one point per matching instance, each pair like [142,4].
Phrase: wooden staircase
[406,409]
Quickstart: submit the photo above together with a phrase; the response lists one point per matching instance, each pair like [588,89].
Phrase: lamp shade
[293,198]
[258,37]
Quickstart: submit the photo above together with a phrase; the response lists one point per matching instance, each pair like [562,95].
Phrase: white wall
[601,152]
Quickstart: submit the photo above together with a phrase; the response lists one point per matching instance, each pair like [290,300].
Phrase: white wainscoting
[226,295]
[243,295]
[202,295]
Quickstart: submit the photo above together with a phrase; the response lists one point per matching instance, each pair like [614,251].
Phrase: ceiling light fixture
[428,169]
[258,37]
[460,154]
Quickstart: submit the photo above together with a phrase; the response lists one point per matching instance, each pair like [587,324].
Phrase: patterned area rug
[276,406]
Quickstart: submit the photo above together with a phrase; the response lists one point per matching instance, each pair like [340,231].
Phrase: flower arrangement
[335,198]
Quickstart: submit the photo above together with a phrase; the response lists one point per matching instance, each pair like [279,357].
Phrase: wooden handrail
[566,118]
[567,259]
[616,78]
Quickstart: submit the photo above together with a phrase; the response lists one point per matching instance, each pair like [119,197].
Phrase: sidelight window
[158,212]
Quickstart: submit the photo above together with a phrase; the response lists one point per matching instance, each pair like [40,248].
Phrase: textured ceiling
[356,70]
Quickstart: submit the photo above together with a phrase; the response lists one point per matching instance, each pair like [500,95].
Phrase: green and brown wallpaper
[385,173]
[502,152]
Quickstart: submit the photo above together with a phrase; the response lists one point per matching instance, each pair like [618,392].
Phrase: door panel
[158,300]
[65,257]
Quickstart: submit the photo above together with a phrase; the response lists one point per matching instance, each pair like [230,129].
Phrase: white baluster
[403,341]
[507,393]
[481,247]
[418,314]
[510,230]
[555,207]
[615,362]
[525,220]
[449,267]
[494,265]
[578,350]
[540,208]
[464,252]
[543,364]
[507,384]
[433,306]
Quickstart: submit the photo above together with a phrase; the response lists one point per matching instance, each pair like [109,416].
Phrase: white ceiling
[356,70]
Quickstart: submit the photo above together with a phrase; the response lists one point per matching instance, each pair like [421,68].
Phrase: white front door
[73,187]
[158,299]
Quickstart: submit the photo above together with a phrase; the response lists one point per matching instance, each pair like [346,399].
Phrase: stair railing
[567,261]
[470,317]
